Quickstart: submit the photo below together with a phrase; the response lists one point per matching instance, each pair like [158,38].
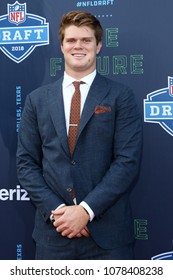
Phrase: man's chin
[78,68]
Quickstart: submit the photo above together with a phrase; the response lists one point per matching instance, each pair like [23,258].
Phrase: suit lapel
[56,108]
[97,92]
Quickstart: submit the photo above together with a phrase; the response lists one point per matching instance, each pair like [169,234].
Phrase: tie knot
[77,84]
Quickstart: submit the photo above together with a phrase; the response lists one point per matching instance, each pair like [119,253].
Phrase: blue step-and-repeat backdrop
[137,50]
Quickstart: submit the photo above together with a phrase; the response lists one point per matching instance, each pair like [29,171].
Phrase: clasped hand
[71,221]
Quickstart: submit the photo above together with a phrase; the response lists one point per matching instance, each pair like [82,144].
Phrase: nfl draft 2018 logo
[163,256]
[158,107]
[21,32]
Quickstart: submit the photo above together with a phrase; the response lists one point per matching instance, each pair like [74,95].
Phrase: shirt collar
[68,80]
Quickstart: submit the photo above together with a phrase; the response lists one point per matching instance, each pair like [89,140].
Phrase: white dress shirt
[68,90]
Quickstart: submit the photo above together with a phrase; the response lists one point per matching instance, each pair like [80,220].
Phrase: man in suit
[81,194]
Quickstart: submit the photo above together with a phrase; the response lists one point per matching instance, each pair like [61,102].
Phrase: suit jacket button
[73,162]
[69,189]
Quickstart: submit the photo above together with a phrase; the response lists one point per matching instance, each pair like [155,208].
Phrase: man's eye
[70,40]
[86,40]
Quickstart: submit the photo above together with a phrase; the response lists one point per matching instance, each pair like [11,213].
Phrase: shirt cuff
[51,216]
[88,209]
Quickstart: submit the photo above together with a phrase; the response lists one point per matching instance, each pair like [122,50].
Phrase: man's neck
[78,75]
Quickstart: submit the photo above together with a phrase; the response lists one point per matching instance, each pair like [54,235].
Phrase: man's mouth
[78,54]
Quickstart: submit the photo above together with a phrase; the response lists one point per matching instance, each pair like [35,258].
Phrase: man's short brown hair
[80,18]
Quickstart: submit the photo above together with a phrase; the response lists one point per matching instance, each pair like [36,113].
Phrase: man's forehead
[72,29]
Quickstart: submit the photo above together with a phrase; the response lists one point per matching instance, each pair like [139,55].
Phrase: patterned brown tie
[74,116]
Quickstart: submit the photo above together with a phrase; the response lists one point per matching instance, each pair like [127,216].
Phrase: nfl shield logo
[170,83]
[17,13]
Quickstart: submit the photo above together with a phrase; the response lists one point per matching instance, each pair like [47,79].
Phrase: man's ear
[62,48]
[99,46]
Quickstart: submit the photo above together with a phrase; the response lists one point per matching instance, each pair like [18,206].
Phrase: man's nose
[78,44]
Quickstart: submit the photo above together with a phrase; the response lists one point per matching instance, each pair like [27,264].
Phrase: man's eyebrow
[86,37]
